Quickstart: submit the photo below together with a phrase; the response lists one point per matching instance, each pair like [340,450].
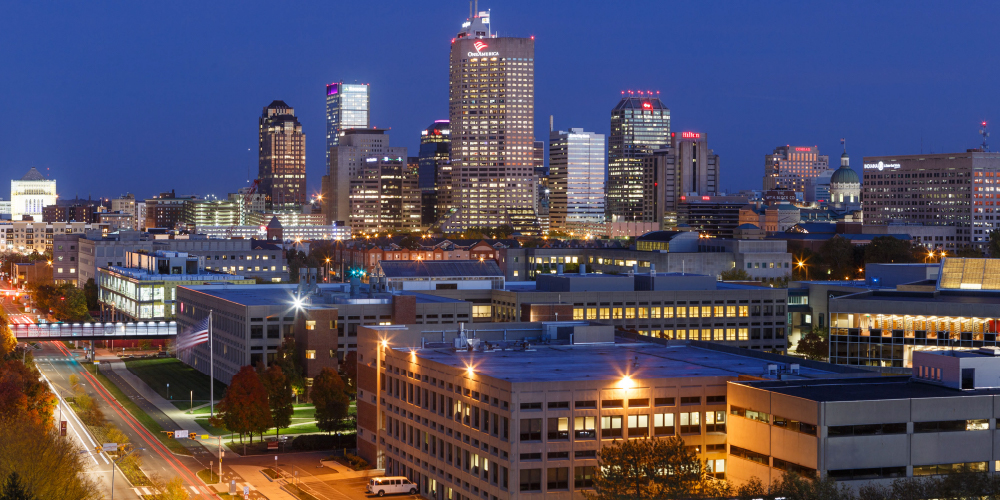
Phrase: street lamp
[168,390]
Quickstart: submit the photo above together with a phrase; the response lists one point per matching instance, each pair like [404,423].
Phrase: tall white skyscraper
[491,107]
[346,108]
[576,181]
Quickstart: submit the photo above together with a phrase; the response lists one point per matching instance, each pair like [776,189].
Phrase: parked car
[391,485]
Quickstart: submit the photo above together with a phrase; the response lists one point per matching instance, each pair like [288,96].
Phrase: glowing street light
[627,382]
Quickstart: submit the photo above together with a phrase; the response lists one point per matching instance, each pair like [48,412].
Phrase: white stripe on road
[69,412]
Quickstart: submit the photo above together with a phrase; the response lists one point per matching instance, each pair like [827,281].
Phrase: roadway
[57,363]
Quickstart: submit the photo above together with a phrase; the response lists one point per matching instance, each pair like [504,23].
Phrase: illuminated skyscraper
[346,108]
[791,168]
[640,124]
[576,181]
[435,158]
[491,106]
[282,156]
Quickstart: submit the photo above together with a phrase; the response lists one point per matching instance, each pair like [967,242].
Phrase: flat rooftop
[267,295]
[970,297]
[551,363]
[864,389]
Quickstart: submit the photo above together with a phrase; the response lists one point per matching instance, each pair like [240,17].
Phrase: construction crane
[245,203]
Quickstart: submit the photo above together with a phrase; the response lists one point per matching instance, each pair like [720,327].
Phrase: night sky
[110,97]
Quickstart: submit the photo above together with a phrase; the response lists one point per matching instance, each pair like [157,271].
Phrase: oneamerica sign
[483,54]
[881,166]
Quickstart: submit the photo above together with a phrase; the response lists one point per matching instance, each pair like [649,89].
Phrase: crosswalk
[144,491]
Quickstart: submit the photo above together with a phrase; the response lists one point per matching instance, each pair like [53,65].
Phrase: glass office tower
[640,124]
[576,181]
[435,151]
[346,108]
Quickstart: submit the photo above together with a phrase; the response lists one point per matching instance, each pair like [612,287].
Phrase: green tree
[279,396]
[837,254]
[735,274]
[329,396]
[13,489]
[90,291]
[55,469]
[70,304]
[244,409]
[970,252]
[653,468]
[886,249]
[815,344]
[287,358]
[994,245]
[350,371]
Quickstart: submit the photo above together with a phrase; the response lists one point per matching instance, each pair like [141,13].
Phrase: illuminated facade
[958,190]
[346,108]
[491,107]
[282,161]
[640,124]
[434,160]
[884,328]
[348,161]
[30,194]
[576,181]
[792,167]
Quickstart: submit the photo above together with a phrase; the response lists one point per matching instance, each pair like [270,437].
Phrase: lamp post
[168,390]
[191,405]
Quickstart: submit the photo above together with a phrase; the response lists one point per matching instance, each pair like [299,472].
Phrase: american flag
[197,334]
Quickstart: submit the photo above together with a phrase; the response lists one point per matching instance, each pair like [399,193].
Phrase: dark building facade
[434,157]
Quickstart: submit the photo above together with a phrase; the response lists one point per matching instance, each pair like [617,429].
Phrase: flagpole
[211,366]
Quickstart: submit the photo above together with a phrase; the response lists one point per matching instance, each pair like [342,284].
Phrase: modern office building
[687,168]
[250,322]
[662,305]
[640,124]
[715,216]
[347,107]
[78,254]
[953,189]
[434,159]
[248,201]
[165,210]
[869,430]
[791,167]
[282,157]
[145,288]
[666,251]
[491,108]
[348,163]
[576,181]
[476,414]
[384,195]
[30,194]
[30,236]
[885,328]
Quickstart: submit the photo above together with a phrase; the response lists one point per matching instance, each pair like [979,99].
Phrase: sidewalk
[183,420]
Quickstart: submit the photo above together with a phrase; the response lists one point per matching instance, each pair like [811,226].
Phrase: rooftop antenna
[551,123]
[471,15]
[983,132]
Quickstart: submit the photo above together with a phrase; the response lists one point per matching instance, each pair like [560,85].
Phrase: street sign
[110,447]
[178,434]
[246,490]
[62,428]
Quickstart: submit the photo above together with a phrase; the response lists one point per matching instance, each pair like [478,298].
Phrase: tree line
[260,399]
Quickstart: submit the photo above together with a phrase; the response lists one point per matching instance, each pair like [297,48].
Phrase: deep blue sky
[109,97]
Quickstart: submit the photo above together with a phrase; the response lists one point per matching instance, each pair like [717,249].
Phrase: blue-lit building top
[347,107]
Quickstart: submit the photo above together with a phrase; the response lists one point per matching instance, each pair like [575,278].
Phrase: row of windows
[614,426]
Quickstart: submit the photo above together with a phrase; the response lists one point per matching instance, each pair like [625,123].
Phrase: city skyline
[864,88]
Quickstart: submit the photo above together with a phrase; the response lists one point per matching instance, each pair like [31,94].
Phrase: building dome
[845,175]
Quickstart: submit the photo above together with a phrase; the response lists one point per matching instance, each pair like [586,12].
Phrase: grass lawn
[143,418]
[208,476]
[301,495]
[183,379]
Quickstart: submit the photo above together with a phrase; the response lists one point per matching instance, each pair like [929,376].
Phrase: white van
[391,484]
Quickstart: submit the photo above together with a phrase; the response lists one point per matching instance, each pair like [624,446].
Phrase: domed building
[845,186]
